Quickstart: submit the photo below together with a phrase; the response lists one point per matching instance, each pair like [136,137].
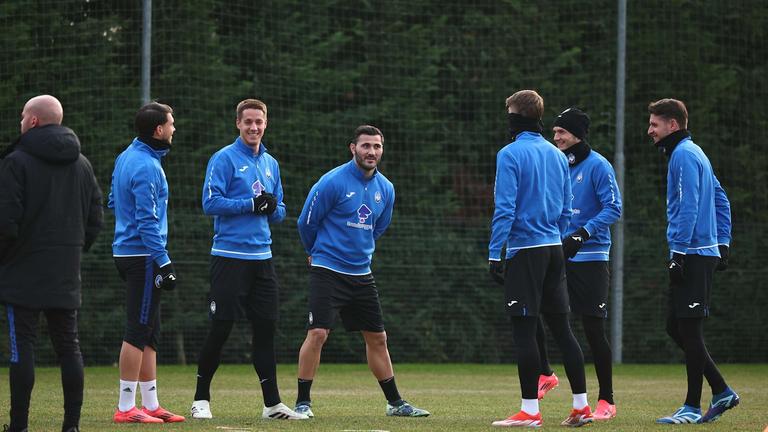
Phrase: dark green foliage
[433,76]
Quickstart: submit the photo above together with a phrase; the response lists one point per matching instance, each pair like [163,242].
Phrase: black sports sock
[264,360]
[573,358]
[303,393]
[389,388]
[594,329]
[528,362]
[210,357]
[541,341]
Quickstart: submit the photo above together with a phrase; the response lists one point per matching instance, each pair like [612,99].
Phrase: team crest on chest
[579,177]
[268,173]
[257,188]
[377,197]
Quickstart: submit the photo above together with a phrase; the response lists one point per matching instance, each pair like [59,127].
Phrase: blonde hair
[527,103]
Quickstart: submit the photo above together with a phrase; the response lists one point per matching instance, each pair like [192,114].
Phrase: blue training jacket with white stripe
[532,196]
[698,210]
[343,216]
[139,197]
[596,205]
[234,177]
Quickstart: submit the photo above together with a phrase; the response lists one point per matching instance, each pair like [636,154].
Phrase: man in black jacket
[50,212]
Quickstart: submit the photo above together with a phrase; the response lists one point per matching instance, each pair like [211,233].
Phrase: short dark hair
[527,103]
[670,109]
[366,130]
[149,117]
[251,104]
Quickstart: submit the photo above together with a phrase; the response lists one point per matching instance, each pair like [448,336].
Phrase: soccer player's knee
[317,336]
[376,340]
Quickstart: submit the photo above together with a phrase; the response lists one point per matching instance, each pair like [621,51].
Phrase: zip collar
[248,150]
[352,166]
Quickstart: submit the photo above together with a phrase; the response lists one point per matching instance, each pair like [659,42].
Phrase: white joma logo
[245,167]
[693,305]
[349,195]
[601,305]
[577,238]
[512,302]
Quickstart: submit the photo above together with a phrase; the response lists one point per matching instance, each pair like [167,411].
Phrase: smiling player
[345,212]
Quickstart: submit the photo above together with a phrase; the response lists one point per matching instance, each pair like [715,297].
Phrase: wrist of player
[573,242]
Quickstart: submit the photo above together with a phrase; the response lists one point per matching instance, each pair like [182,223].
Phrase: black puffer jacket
[50,211]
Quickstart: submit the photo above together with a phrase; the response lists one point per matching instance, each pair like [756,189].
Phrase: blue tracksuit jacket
[139,197]
[343,216]
[233,178]
[596,205]
[698,211]
[532,196]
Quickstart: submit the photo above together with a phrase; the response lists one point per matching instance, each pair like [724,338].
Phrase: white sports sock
[149,395]
[127,395]
[579,401]
[530,406]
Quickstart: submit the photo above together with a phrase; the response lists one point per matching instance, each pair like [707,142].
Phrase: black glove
[724,253]
[574,242]
[166,280]
[265,204]
[675,266]
[497,271]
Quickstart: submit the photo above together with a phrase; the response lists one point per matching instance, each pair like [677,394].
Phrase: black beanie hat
[574,121]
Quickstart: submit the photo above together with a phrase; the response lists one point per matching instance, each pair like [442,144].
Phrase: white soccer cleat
[201,409]
[282,412]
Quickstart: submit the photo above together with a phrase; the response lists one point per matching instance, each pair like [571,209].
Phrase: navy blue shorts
[142,300]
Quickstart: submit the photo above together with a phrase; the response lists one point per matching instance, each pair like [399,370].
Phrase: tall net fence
[433,76]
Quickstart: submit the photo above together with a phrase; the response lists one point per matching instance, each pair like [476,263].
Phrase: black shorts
[354,298]
[534,282]
[588,284]
[691,300]
[243,289]
[142,300]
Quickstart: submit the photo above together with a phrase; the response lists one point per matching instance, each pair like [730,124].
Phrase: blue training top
[139,197]
[698,211]
[234,177]
[596,205]
[343,216]
[532,196]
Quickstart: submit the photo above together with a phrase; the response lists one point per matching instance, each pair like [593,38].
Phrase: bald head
[40,111]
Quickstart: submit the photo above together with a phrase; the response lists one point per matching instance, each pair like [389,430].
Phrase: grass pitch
[461,397]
